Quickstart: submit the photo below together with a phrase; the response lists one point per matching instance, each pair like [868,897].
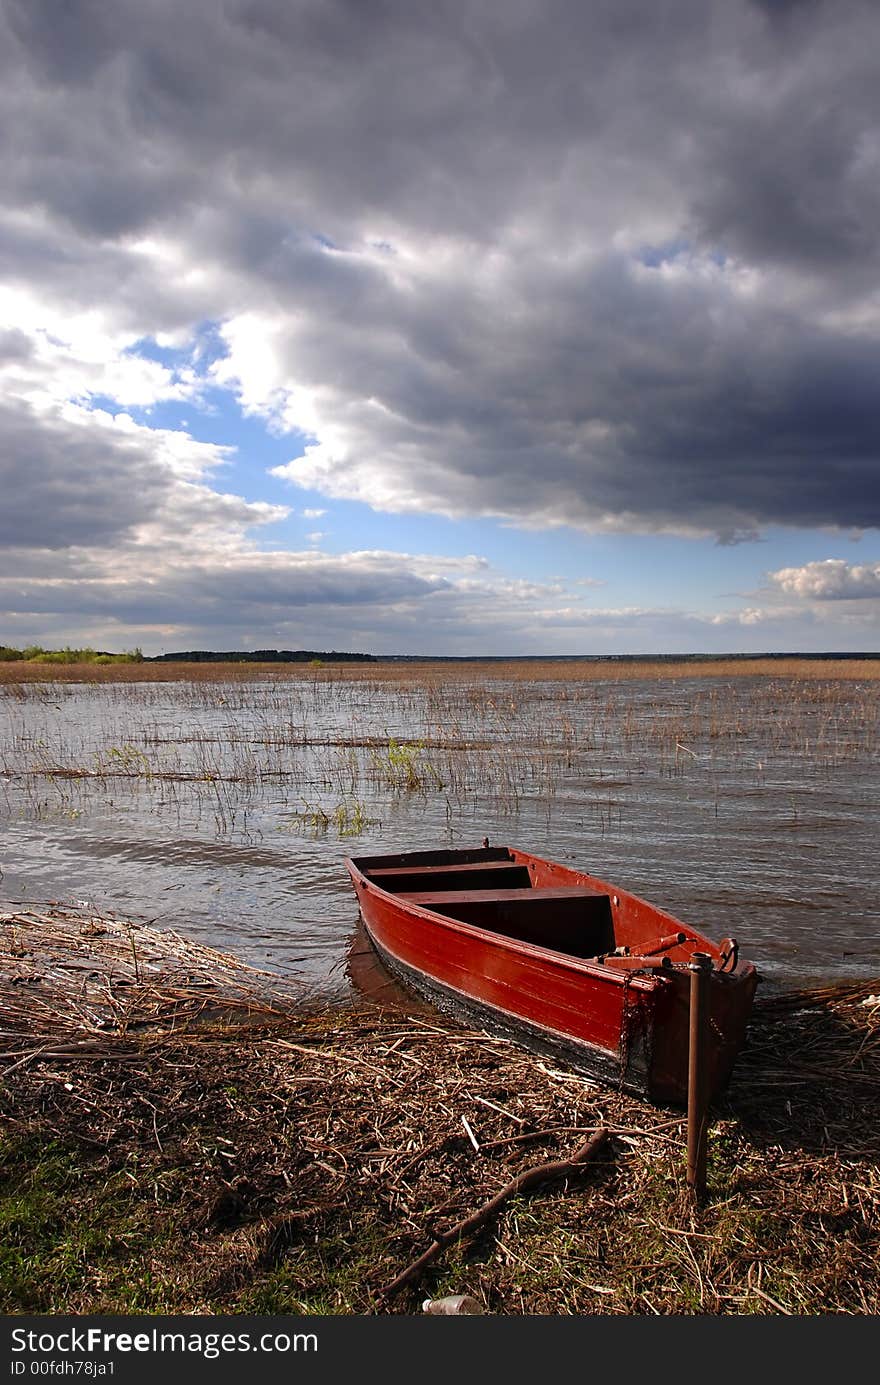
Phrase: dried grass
[293,1161]
[440,672]
[69,977]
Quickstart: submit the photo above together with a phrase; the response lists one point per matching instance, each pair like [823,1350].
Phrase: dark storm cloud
[247,596]
[635,401]
[314,580]
[451,112]
[80,482]
[64,486]
[15,346]
[630,249]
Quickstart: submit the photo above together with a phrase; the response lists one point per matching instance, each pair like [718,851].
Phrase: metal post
[700,968]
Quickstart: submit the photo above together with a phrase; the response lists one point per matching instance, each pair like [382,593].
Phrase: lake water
[224,810]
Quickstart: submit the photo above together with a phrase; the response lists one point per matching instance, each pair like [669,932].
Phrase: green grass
[403,768]
[348,819]
[67,1236]
[35,654]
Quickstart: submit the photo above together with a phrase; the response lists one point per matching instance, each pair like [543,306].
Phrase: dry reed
[442,671]
[298,1162]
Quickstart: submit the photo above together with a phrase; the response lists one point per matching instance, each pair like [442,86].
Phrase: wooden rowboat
[557,960]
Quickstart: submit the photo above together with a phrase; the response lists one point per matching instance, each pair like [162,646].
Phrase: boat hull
[467,1008]
[628,1027]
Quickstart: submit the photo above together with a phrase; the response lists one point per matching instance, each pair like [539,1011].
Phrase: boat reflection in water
[371,979]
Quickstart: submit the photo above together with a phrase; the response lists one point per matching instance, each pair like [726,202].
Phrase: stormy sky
[485,326]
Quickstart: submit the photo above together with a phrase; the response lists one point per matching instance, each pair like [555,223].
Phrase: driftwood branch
[529,1178]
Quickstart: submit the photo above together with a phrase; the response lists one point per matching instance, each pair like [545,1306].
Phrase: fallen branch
[529,1178]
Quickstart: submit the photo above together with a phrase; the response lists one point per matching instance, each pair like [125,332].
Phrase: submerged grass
[456,733]
[273,1160]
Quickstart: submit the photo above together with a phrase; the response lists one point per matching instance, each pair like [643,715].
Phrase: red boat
[557,960]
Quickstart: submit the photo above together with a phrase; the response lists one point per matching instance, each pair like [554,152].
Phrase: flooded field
[223,806]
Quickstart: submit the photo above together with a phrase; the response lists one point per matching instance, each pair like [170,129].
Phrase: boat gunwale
[656,975]
[518,946]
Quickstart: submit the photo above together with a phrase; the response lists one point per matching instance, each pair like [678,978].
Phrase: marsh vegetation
[222,799]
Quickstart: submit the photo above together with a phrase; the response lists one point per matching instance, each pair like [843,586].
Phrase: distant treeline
[609,658]
[261,656]
[37,654]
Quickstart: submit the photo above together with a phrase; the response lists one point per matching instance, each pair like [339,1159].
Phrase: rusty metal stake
[700,968]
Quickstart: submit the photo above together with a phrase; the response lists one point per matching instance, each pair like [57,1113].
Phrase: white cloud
[831,579]
[76,356]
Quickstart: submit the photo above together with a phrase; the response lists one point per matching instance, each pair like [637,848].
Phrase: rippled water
[225,811]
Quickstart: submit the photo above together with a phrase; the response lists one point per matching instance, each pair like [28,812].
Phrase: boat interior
[502,896]
[533,901]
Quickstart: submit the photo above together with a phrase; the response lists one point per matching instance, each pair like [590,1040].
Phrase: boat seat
[462,875]
[534,894]
[573,919]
